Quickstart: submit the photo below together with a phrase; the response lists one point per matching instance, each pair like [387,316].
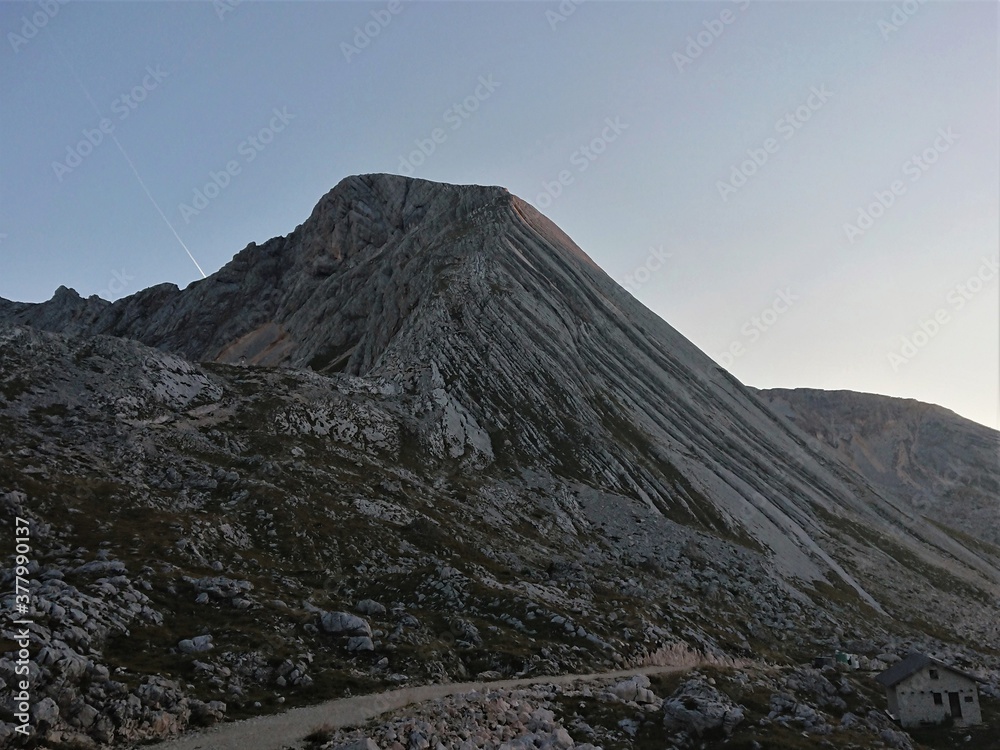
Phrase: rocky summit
[424,438]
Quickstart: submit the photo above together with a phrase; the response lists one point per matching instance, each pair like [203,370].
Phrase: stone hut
[922,691]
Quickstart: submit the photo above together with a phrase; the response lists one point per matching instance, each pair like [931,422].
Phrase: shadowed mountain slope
[941,465]
[445,406]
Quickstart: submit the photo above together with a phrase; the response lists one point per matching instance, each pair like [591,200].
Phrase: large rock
[197,645]
[206,714]
[635,689]
[699,709]
[100,567]
[344,623]
[360,643]
[44,714]
[85,717]
[370,607]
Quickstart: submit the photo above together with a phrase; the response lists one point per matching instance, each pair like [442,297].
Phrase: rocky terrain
[945,467]
[424,438]
[746,706]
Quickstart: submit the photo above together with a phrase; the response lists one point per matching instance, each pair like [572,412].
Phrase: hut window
[968,699]
[934,674]
[937,699]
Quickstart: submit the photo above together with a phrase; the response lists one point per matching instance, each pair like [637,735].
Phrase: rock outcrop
[937,463]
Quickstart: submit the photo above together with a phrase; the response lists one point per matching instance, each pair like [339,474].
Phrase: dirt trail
[288,728]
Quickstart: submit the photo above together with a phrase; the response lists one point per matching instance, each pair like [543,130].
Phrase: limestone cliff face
[940,464]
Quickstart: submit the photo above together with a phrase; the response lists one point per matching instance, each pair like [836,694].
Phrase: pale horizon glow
[853,248]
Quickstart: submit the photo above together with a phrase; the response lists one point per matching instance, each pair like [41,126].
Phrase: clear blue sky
[515,90]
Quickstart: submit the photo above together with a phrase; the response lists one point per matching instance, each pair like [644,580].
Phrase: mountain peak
[376,251]
[393,195]
[65,293]
[385,183]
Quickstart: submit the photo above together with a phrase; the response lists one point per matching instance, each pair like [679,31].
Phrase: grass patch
[319,736]
[973,543]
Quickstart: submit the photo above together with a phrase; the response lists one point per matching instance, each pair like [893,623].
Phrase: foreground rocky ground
[217,542]
[744,707]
